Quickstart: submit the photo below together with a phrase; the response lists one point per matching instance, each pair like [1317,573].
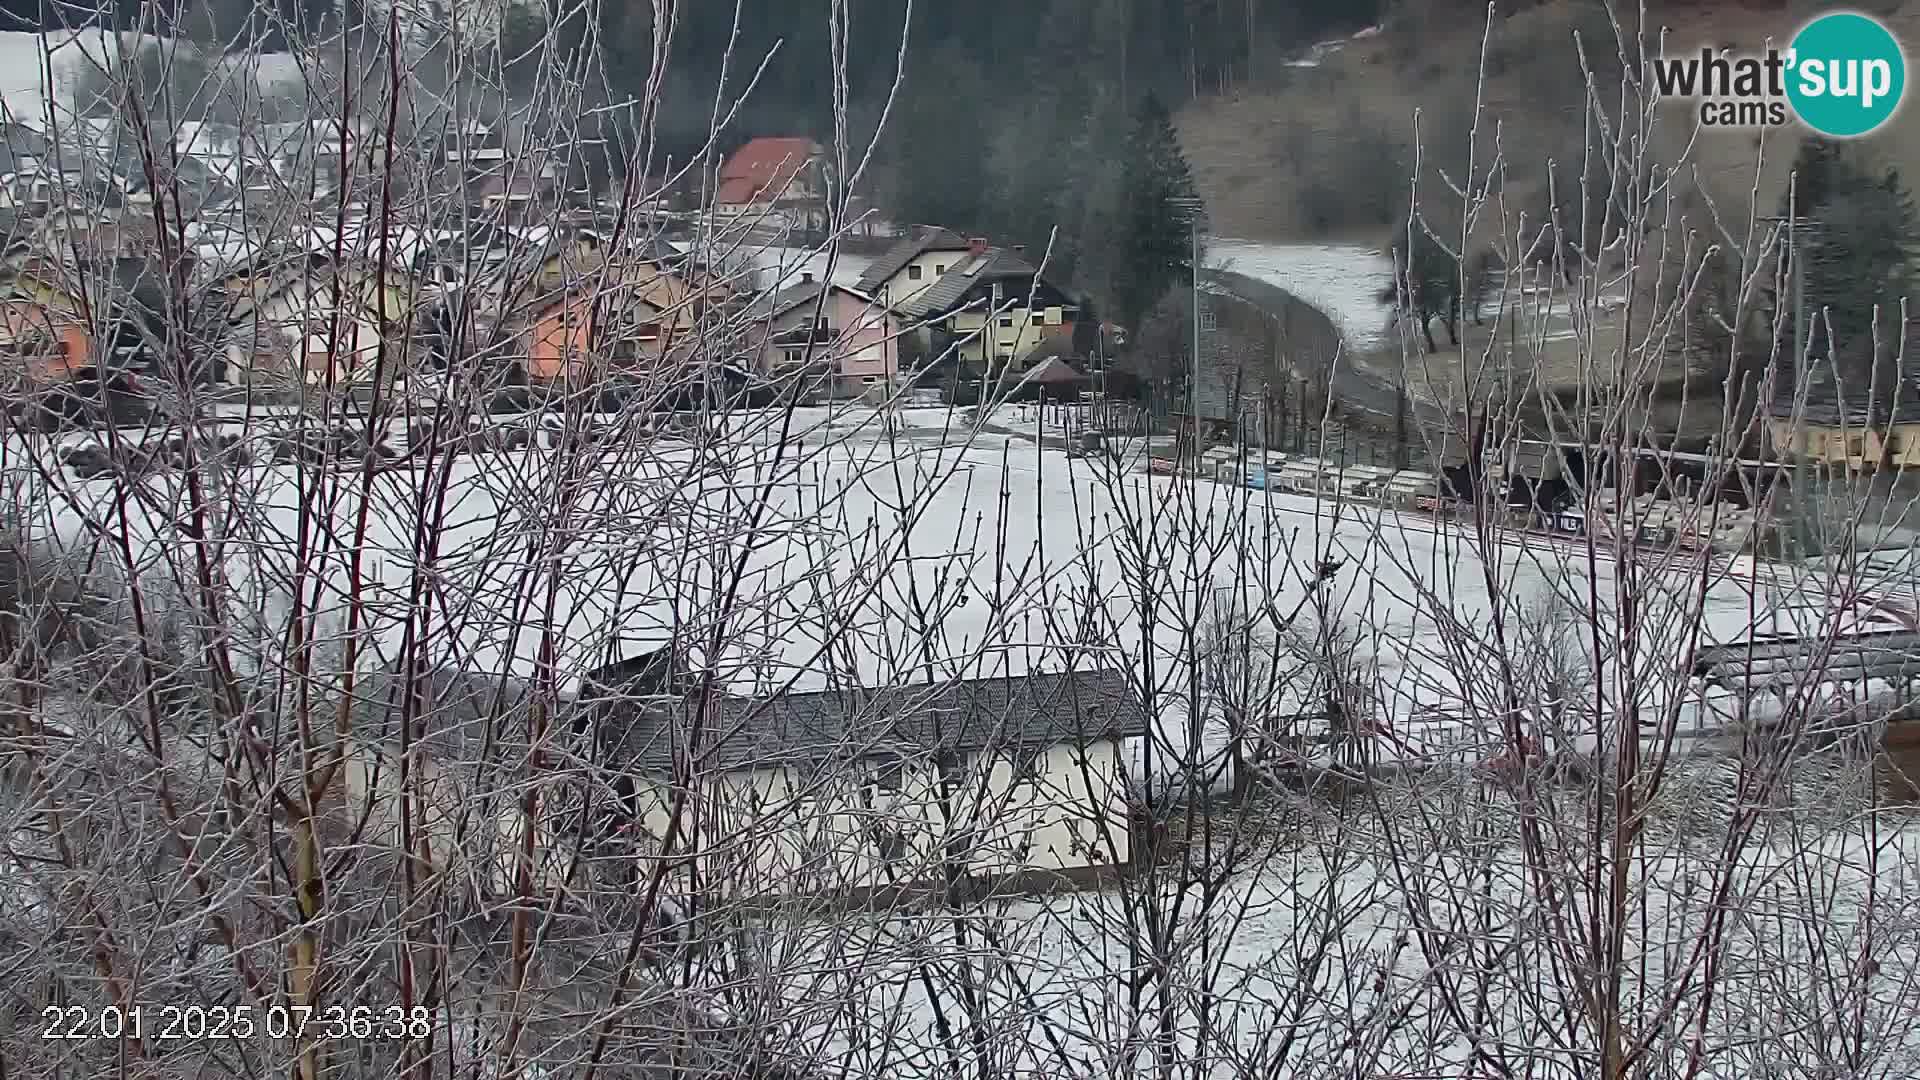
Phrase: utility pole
[1193,392]
[1192,208]
[1805,536]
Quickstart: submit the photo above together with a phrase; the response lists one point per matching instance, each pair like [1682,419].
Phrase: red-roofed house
[767,171]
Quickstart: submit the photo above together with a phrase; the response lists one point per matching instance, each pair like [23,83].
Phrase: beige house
[303,315]
[1862,427]
[1862,445]
[912,266]
[983,306]
[847,793]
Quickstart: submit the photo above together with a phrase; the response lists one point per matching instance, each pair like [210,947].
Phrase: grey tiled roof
[905,252]
[773,303]
[1029,711]
[944,294]
[1828,400]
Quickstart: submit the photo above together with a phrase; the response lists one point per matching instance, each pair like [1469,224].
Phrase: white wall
[901,287]
[781,831]
[301,316]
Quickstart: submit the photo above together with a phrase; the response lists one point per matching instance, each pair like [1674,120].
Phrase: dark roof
[904,252]
[944,295]
[1831,400]
[1028,711]
[775,304]
[1053,371]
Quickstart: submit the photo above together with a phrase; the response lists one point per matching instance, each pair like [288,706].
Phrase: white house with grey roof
[854,791]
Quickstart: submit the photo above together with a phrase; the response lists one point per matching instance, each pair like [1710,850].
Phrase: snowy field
[25,59]
[872,556]
[880,552]
[1342,280]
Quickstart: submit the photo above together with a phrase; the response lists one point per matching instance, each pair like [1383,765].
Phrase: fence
[1072,419]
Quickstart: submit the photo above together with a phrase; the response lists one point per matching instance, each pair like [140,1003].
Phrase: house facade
[304,318]
[840,329]
[45,338]
[1860,428]
[586,333]
[1021,777]
[629,318]
[45,333]
[914,265]
[990,309]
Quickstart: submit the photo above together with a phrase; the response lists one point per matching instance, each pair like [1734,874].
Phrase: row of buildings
[568,301]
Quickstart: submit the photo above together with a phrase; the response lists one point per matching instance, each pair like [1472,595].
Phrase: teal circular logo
[1845,74]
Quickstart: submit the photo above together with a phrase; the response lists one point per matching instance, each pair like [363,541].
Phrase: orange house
[586,333]
[47,340]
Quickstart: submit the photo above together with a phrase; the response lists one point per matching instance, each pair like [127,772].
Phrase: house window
[793,357]
[890,776]
[649,331]
[889,843]
[1206,318]
[1028,768]
[913,273]
[939,268]
[1856,444]
[1006,321]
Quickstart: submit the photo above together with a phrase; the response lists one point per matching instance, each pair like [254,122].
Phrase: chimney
[977,245]
[806,277]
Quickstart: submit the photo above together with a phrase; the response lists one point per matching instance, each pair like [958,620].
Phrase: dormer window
[913,273]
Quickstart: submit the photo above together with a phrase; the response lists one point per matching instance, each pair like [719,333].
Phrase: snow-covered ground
[880,552]
[1320,50]
[27,59]
[982,551]
[778,266]
[1343,280]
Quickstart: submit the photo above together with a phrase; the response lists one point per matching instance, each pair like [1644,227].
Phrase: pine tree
[1155,248]
[1858,255]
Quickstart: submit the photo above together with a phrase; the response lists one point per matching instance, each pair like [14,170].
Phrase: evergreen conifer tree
[1155,248]
[1858,255]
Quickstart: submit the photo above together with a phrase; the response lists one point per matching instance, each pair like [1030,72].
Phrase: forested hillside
[1008,117]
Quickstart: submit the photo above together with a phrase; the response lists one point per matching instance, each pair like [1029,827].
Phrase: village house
[840,331]
[768,173]
[1019,777]
[1855,428]
[989,310]
[627,320]
[913,265]
[59,321]
[301,313]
